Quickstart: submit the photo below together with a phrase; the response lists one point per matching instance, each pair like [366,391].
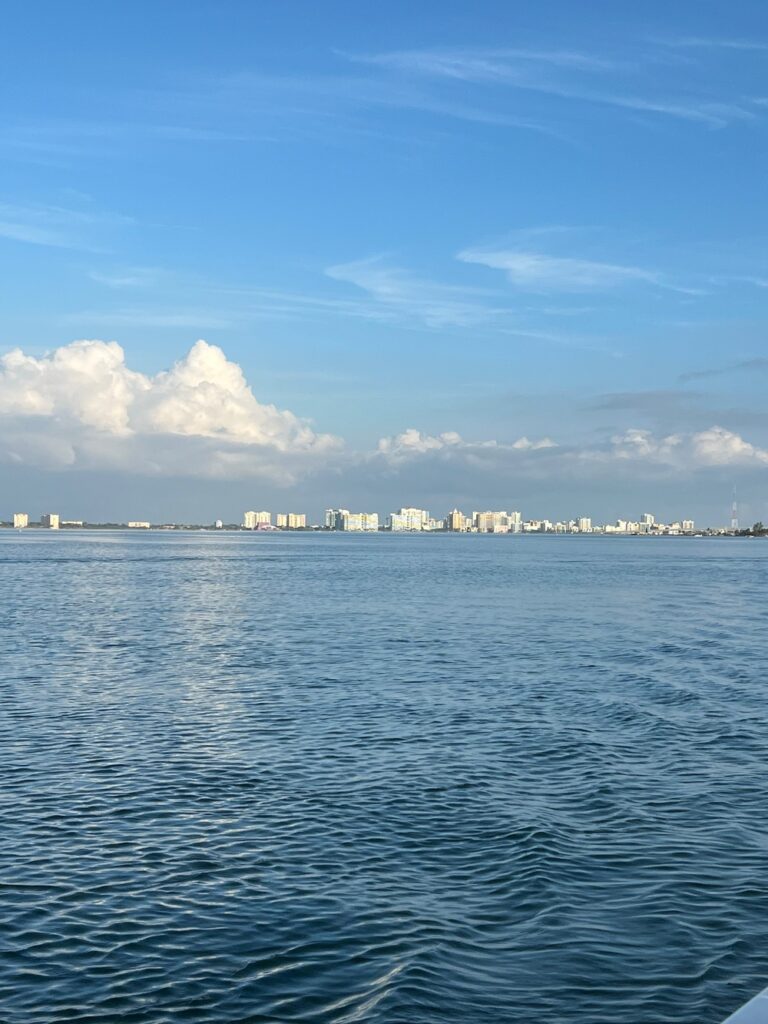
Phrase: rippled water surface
[410,780]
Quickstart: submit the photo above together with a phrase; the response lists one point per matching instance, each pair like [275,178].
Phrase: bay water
[387,779]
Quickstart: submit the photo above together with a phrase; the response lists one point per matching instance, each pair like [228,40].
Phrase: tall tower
[734,514]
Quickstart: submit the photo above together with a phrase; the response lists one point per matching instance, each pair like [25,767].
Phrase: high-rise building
[584,525]
[359,522]
[456,521]
[350,522]
[252,520]
[50,520]
[688,526]
[497,522]
[408,519]
[291,521]
[20,520]
[647,519]
[334,516]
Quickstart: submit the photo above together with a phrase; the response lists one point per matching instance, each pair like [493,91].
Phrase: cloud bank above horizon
[82,407]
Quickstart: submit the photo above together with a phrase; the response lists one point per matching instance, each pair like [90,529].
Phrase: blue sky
[540,228]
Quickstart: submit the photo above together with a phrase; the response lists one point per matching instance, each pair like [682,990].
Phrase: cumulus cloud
[642,444]
[713,447]
[82,406]
[412,443]
[634,450]
[524,444]
[720,447]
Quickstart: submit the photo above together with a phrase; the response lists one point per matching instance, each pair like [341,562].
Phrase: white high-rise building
[585,525]
[351,522]
[20,520]
[333,518]
[291,521]
[688,526]
[497,522]
[252,520]
[359,522]
[408,519]
[50,520]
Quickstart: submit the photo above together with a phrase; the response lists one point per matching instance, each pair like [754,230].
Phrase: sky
[295,255]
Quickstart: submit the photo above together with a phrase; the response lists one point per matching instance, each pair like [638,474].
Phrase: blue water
[396,780]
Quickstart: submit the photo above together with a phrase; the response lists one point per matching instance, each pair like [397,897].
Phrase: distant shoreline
[184,528]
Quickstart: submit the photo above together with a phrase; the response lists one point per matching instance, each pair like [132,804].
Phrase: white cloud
[83,406]
[633,450]
[566,75]
[641,444]
[720,447]
[57,226]
[538,272]
[523,444]
[400,294]
[709,448]
[412,443]
[132,277]
[507,65]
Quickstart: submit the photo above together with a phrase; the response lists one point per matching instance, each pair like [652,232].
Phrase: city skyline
[407,519]
[520,258]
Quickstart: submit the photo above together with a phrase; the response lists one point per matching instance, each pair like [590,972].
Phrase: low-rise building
[138,524]
[537,526]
